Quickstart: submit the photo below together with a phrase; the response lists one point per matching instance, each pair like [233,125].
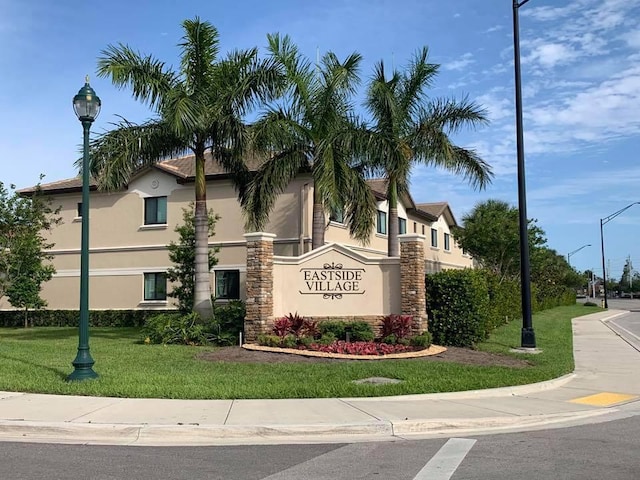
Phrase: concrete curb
[195,435]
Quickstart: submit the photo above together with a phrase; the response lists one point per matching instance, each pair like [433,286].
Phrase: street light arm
[578,249]
[517,4]
[606,220]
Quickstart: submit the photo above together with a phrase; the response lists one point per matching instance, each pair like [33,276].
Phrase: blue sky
[581,85]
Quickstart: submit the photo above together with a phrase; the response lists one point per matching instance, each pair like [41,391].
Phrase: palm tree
[312,129]
[408,129]
[197,108]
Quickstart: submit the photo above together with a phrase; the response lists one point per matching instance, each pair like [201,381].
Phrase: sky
[580,78]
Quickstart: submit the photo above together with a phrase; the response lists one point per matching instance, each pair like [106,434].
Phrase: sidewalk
[604,384]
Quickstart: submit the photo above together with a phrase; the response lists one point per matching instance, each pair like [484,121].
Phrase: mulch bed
[452,354]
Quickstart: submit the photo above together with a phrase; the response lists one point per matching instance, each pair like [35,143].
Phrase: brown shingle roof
[60,186]
[182,167]
[185,167]
[437,209]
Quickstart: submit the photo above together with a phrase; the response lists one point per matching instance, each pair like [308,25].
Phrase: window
[337,215]
[79,211]
[434,237]
[155,210]
[423,230]
[228,284]
[447,242]
[155,286]
[415,227]
[402,225]
[381,224]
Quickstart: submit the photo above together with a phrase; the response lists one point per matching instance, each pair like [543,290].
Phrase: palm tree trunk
[393,247]
[317,233]
[202,286]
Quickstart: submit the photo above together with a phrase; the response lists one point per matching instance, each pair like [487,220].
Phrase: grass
[39,359]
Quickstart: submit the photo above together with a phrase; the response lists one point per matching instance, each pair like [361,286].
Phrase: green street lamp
[86,104]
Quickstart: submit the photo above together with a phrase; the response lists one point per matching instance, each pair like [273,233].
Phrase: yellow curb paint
[604,399]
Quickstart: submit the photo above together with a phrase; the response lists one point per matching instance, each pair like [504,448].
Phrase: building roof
[437,209]
[183,168]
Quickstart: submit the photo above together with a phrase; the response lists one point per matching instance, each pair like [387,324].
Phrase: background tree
[491,235]
[408,129]
[312,128]
[199,107]
[183,253]
[24,222]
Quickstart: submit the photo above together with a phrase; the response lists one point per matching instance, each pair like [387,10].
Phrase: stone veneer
[259,300]
[412,281]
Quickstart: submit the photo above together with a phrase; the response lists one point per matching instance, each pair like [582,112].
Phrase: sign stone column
[412,272]
[259,303]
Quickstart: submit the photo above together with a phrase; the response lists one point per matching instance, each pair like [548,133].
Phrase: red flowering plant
[360,348]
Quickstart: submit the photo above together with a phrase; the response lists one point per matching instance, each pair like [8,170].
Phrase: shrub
[327,339]
[397,325]
[172,328]
[269,340]
[305,341]
[389,339]
[227,323]
[289,341]
[359,331]
[422,340]
[335,327]
[458,307]
[590,304]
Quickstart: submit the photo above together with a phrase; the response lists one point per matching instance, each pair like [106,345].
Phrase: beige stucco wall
[371,286]
[122,248]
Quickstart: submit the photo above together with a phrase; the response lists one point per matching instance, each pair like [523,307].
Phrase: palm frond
[452,115]
[118,153]
[200,46]
[418,77]
[146,76]
[270,181]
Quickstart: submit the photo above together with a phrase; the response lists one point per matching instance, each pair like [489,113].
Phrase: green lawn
[39,359]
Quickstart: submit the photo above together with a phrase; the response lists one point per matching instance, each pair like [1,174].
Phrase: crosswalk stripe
[444,463]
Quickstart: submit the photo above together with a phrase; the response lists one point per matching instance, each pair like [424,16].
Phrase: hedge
[70,318]
[465,306]
[458,307]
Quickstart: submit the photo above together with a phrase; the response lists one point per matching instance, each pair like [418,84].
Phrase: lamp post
[575,251]
[603,222]
[86,104]
[528,337]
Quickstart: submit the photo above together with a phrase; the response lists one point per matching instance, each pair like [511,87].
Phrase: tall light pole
[528,337]
[576,251]
[603,222]
[86,104]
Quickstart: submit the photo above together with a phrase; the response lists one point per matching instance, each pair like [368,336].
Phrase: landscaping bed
[463,356]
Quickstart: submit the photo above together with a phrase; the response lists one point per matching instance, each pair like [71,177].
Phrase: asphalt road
[606,450]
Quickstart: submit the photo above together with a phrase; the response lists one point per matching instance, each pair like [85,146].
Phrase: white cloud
[632,38]
[549,55]
[463,62]
[495,28]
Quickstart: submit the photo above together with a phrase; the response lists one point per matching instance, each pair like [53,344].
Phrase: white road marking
[444,463]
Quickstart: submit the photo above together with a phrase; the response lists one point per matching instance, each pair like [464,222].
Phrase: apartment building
[130,230]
